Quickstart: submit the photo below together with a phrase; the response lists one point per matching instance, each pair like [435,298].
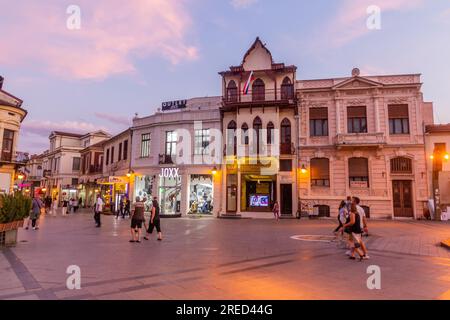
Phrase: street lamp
[303,169]
[214,171]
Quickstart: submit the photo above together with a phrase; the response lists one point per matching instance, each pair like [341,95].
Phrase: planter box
[8,232]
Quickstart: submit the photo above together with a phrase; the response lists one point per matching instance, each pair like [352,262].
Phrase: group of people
[352,225]
[137,218]
[47,205]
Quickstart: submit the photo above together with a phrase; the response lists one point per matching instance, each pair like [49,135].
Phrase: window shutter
[398,111]
[356,112]
[320,169]
[358,167]
[318,113]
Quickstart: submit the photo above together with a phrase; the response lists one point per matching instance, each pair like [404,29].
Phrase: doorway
[402,198]
[286,199]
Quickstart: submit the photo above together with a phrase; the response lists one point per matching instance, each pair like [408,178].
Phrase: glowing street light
[303,169]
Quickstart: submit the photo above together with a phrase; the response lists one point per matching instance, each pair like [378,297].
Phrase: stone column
[338,116]
[377,114]
[239,187]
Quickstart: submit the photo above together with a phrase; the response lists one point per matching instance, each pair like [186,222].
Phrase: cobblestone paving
[211,258]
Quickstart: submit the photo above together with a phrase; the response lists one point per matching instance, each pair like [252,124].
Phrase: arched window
[232,92]
[287,89]
[320,172]
[401,165]
[358,171]
[270,133]
[257,126]
[258,90]
[244,137]
[231,138]
[285,137]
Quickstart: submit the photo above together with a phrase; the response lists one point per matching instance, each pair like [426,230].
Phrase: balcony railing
[93,168]
[166,159]
[286,95]
[360,139]
[264,150]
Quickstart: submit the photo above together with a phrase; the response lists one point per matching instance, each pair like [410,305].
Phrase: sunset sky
[129,56]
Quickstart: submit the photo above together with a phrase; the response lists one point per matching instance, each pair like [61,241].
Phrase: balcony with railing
[263,150]
[282,96]
[95,168]
[360,139]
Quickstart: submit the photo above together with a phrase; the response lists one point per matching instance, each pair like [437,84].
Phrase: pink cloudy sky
[130,56]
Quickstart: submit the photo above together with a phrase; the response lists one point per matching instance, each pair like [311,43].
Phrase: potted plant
[14,208]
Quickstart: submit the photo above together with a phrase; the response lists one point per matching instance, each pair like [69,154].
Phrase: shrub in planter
[13,210]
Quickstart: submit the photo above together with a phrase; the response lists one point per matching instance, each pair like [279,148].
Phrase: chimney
[1,82]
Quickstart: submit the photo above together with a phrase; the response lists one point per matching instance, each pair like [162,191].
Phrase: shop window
[401,165]
[322,210]
[285,165]
[201,141]
[358,169]
[320,172]
[145,145]
[144,187]
[201,194]
[318,122]
[287,89]
[258,90]
[170,195]
[356,119]
[398,119]
[232,92]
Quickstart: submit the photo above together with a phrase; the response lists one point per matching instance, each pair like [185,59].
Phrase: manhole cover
[319,238]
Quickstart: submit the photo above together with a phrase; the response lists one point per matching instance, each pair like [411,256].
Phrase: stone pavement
[208,258]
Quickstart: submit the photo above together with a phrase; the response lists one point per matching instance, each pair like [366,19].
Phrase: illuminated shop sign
[173,105]
[169,173]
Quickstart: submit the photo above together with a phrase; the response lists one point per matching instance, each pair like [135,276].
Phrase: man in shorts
[137,218]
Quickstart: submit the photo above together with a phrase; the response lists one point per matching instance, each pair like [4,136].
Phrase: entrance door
[231,198]
[402,196]
[286,199]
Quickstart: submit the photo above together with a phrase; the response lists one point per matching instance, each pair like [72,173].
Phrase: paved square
[208,258]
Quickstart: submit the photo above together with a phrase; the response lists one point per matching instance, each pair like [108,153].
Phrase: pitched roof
[435,128]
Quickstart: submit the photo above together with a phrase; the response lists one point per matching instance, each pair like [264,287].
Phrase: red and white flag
[247,84]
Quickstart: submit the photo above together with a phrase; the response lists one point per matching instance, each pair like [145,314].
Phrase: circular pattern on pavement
[315,238]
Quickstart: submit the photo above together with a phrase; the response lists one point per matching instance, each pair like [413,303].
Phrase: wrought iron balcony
[281,96]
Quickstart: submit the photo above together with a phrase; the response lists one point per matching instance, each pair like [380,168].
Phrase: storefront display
[144,187]
[201,194]
[170,195]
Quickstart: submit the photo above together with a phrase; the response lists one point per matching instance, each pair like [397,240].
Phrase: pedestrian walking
[36,206]
[276,210]
[64,207]
[54,206]
[353,228]
[98,208]
[137,218]
[342,216]
[120,211]
[127,207]
[154,220]
[363,224]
